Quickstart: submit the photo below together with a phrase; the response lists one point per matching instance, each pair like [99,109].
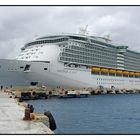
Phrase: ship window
[21,67]
[45,68]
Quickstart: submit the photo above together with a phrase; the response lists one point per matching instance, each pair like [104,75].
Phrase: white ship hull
[57,75]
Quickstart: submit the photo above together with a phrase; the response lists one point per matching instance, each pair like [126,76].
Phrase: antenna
[107,38]
[84,30]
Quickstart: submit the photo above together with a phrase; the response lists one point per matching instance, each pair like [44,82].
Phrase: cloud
[19,25]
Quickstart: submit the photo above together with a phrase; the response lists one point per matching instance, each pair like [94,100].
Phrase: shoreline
[12,114]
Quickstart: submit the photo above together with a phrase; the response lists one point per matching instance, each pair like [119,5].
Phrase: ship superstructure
[77,60]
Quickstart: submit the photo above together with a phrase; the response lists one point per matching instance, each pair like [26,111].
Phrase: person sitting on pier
[31,108]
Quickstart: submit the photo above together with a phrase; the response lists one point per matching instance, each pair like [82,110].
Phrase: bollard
[27,114]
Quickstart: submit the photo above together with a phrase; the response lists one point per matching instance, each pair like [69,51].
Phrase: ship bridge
[58,38]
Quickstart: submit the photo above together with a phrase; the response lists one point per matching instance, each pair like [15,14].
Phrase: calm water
[101,114]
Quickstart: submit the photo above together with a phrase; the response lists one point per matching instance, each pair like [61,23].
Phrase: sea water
[97,114]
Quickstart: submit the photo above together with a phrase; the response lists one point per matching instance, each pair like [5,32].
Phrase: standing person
[1,87]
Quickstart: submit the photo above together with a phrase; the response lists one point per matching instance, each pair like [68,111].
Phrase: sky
[19,25]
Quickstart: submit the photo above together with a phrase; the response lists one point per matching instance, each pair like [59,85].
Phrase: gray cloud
[19,25]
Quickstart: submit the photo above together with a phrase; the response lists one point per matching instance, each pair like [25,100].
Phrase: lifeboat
[119,72]
[95,69]
[125,73]
[131,74]
[104,70]
[137,74]
[112,71]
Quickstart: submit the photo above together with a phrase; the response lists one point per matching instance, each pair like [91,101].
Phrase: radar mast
[83,30]
[107,38]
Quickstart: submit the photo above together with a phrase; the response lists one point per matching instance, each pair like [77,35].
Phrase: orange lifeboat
[126,73]
[131,74]
[104,70]
[112,71]
[137,74]
[95,69]
[119,72]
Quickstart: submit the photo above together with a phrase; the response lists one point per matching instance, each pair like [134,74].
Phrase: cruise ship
[73,60]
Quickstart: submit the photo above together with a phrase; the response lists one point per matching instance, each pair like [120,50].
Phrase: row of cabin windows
[131,58]
[132,68]
[102,43]
[87,62]
[29,54]
[103,79]
[89,56]
[32,48]
[27,67]
[94,50]
[30,51]
[27,57]
[92,47]
[112,50]
[46,41]
[100,83]
[102,48]
[96,54]
[91,50]
[132,63]
[132,54]
[108,60]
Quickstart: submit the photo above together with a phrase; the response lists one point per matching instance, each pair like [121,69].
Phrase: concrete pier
[11,119]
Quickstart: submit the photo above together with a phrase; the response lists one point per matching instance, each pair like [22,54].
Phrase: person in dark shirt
[1,87]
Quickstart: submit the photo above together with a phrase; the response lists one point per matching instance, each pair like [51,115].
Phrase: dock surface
[11,119]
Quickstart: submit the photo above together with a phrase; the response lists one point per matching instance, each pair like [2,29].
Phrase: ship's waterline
[73,60]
